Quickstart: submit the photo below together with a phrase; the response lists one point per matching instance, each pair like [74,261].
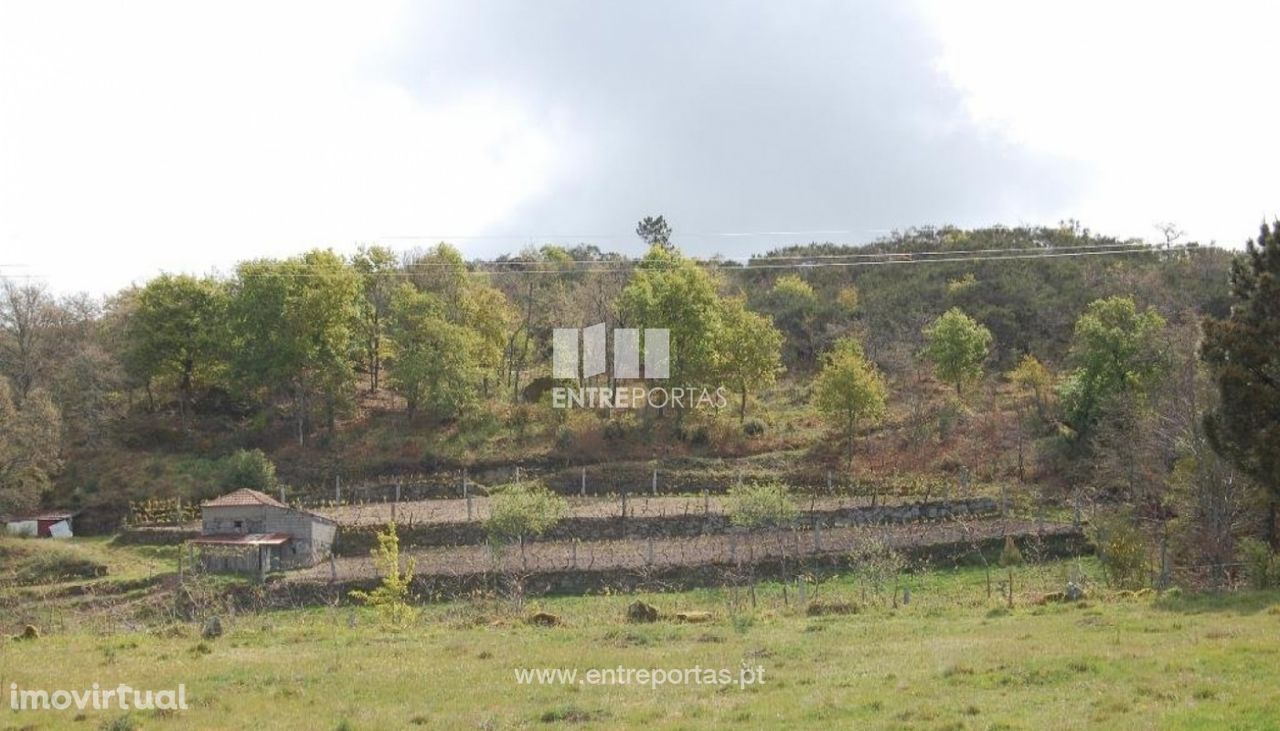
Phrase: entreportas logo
[579,354]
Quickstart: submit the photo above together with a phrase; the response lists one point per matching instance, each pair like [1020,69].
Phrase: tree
[378,271]
[849,390]
[1243,354]
[748,347]
[763,506]
[1117,351]
[433,362]
[672,292]
[958,346]
[27,319]
[30,439]
[248,468]
[794,306]
[654,231]
[391,598]
[1031,376]
[177,332]
[291,324]
[523,511]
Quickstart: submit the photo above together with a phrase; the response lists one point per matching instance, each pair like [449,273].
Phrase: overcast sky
[139,137]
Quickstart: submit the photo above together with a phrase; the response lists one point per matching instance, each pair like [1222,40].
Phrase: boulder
[543,619]
[212,629]
[639,611]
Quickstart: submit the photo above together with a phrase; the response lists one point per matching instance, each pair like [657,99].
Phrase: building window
[239,525]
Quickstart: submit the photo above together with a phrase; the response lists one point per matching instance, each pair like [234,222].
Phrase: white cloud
[147,136]
[1171,106]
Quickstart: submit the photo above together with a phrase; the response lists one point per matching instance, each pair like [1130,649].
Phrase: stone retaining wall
[359,540]
[1064,543]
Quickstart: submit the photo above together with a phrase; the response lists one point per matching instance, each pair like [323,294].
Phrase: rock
[212,629]
[28,633]
[1074,592]
[693,617]
[639,611]
[543,619]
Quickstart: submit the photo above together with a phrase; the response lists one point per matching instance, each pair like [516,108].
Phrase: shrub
[1010,555]
[1260,564]
[565,437]
[614,430]
[761,505]
[523,511]
[754,427]
[391,599]
[247,468]
[1122,551]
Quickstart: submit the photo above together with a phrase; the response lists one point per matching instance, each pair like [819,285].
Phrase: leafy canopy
[957,345]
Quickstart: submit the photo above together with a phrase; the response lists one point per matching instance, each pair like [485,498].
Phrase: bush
[565,437]
[1123,552]
[247,468]
[1260,564]
[761,505]
[614,430]
[391,598]
[754,427]
[1010,555]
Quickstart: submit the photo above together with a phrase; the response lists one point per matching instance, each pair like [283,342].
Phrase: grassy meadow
[953,658]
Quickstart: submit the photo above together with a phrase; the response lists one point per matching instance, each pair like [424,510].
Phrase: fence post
[337,488]
[706,501]
[624,501]
[517,475]
[584,482]
[1004,500]
[828,482]
[655,480]
[649,556]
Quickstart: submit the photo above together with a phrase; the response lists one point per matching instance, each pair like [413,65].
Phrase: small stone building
[252,532]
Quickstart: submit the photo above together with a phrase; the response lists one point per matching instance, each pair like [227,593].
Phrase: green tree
[521,512]
[672,292]
[391,598]
[433,362]
[794,305]
[177,333]
[292,323]
[1117,351]
[379,270]
[957,345]
[654,231]
[849,390]
[30,442]
[748,347]
[1031,376]
[759,505]
[248,468]
[1243,354]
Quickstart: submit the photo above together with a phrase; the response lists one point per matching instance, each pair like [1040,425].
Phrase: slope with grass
[952,658]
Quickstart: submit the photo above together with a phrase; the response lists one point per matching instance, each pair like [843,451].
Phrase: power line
[632,264]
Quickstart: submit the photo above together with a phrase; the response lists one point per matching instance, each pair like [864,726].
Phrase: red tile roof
[243,496]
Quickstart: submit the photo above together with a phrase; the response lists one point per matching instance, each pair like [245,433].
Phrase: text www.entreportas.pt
[652,677]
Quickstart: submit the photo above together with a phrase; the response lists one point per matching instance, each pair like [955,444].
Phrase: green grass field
[951,659]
